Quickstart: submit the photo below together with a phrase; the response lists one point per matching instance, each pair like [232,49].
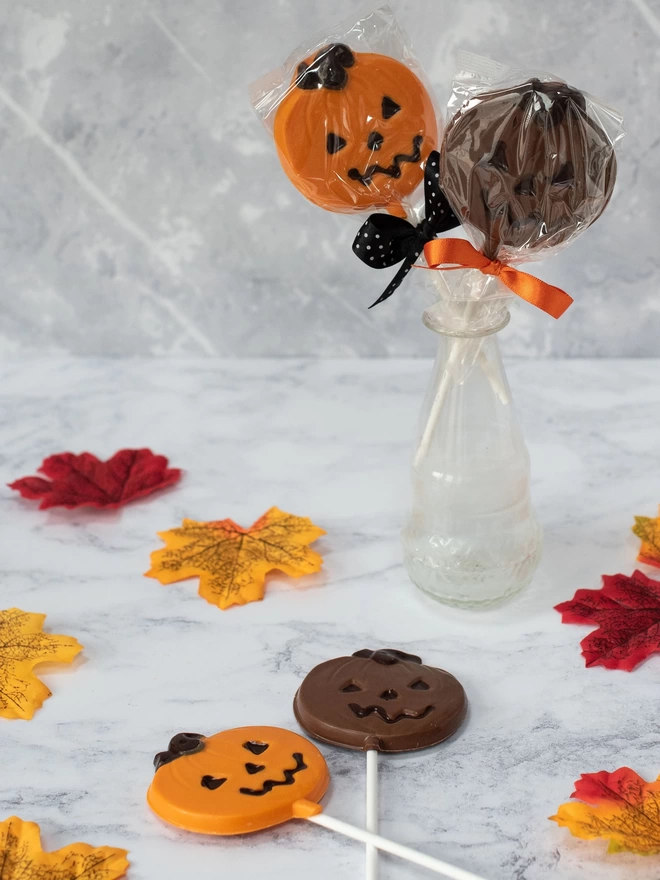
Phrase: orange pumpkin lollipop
[237,781]
[354,130]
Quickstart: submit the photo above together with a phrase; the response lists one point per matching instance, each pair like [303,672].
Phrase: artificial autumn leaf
[627,611]
[23,646]
[22,858]
[232,562]
[84,480]
[648,529]
[620,806]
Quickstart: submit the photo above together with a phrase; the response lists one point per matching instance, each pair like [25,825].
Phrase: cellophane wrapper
[377,32]
[545,182]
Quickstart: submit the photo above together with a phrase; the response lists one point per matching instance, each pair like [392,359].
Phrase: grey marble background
[143,209]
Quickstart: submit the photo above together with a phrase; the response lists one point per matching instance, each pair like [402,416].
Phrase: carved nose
[391,694]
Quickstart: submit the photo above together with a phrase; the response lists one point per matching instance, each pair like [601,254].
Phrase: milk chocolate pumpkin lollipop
[385,701]
[382,700]
[529,167]
[251,778]
[354,130]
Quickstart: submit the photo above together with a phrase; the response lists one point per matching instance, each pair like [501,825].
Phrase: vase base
[476,589]
[472,604]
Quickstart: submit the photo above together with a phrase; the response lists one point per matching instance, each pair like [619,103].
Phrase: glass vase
[472,538]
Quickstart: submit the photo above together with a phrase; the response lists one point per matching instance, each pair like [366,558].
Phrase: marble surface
[143,209]
[331,440]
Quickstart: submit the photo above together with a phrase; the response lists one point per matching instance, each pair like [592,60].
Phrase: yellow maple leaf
[620,806]
[22,858]
[648,529]
[232,562]
[23,646]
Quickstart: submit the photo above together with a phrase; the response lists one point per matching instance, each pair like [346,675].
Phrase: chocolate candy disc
[527,166]
[384,700]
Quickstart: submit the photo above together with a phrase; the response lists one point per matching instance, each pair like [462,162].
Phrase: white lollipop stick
[372,812]
[395,849]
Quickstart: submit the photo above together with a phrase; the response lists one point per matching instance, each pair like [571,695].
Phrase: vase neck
[469,304]
[468,320]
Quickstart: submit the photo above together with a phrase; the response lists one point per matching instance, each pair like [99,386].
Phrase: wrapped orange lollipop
[352,128]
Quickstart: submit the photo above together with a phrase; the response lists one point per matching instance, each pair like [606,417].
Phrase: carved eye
[419,685]
[257,748]
[212,783]
[525,186]
[350,688]
[375,140]
[334,143]
[565,176]
[498,159]
[389,107]
[390,694]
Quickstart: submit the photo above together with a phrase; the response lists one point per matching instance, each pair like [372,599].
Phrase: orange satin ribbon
[455,253]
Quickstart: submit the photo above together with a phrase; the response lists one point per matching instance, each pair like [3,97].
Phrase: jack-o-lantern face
[237,781]
[384,700]
[527,167]
[354,130]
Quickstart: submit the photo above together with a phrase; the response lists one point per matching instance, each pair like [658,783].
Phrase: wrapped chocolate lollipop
[527,168]
[379,701]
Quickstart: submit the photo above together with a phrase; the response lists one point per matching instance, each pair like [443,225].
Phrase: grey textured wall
[143,209]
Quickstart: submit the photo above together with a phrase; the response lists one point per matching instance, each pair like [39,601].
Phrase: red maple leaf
[84,480]
[627,611]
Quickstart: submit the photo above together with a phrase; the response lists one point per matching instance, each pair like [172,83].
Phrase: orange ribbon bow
[455,253]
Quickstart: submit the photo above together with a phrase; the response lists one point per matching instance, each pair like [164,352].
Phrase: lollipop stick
[372,812]
[459,348]
[395,849]
[462,349]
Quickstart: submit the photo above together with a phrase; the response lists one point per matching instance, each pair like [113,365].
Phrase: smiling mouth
[270,784]
[393,170]
[364,712]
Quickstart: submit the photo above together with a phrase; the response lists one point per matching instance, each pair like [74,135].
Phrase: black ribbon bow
[384,240]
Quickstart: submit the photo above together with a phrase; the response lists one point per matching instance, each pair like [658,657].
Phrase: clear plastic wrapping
[528,161]
[527,164]
[352,117]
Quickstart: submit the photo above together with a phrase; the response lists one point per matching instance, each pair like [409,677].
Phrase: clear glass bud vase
[472,538]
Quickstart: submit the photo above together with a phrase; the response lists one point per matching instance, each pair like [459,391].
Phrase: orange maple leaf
[22,858]
[232,562]
[648,529]
[23,645]
[620,806]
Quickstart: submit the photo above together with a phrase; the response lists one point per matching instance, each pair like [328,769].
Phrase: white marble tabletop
[330,440]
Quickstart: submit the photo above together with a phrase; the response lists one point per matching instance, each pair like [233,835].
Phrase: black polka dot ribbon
[384,240]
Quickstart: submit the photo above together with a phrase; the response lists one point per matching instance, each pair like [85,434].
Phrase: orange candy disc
[354,130]
[237,781]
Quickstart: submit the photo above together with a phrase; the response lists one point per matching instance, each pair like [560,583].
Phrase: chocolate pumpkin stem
[181,744]
[562,100]
[387,656]
[327,70]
